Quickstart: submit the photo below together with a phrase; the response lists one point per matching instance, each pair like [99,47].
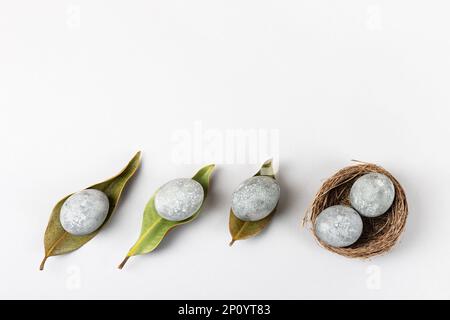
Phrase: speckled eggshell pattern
[255,198]
[84,212]
[339,226]
[372,194]
[179,199]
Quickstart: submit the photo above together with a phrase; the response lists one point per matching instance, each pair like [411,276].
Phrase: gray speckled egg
[84,212]
[179,199]
[339,226]
[255,198]
[372,194]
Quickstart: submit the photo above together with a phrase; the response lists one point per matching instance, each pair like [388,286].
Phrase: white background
[85,84]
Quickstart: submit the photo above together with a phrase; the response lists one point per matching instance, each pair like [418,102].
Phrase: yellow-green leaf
[57,241]
[240,229]
[155,228]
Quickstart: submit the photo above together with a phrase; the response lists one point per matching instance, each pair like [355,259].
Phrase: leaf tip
[205,171]
[267,169]
[268,162]
[138,155]
[121,265]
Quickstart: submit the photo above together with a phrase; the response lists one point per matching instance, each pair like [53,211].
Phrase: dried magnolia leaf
[57,241]
[155,228]
[240,229]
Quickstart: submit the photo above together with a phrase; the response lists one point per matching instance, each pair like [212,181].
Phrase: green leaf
[57,241]
[240,229]
[155,228]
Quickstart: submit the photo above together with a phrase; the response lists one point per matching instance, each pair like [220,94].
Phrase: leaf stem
[232,242]
[49,252]
[123,262]
[41,267]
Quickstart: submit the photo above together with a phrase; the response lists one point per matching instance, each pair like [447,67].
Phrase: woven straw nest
[379,234]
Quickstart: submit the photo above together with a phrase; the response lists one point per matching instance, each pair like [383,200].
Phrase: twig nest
[179,199]
[380,233]
[339,226]
[84,212]
[255,198]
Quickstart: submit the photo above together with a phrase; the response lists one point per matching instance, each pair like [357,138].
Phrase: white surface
[365,80]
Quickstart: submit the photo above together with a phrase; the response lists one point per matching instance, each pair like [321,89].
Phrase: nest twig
[380,233]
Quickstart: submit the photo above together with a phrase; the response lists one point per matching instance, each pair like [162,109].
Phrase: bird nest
[379,234]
